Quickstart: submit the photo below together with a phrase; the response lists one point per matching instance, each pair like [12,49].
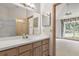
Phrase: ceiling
[44,7]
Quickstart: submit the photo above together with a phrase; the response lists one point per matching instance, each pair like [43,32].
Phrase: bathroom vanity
[32,46]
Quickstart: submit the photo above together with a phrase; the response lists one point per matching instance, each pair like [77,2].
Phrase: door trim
[54,28]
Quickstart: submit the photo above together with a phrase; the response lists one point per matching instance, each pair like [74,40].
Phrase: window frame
[74,32]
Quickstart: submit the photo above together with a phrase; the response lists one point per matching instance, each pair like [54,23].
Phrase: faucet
[24,36]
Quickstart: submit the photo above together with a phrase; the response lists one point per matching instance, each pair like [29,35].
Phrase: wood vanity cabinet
[39,48]
[37,51]
[45,47]
[46,41]
[46,53]
[25,50]
[27,53]
[10,52]
[2,53]
[37,44]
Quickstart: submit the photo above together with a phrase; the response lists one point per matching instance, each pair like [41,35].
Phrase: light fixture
[68,11]
[31,5]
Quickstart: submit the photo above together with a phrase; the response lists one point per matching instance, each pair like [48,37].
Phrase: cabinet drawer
[25,48]
[45,47]
[27,53]
[2,53]
[45,41]
[46,53]
[37,51]
[37,44]
[12,52]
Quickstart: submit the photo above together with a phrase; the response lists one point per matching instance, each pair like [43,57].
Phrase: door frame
[53,51]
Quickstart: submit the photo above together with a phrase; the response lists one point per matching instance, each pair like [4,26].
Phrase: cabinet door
[37,44]
[27,53]
[12,52]
[46,53]
[45,47]
[45,41]
[25,48]
[37,51]
[2,53]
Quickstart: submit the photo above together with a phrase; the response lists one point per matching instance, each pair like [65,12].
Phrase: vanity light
[30,5]
[68,12]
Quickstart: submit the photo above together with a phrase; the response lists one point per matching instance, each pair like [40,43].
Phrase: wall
[61,10]
[8,17]
[17,12]
[58,28]
[3,12]
[7,26]
[45,9]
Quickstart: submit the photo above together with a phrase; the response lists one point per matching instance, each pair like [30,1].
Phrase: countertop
[11,42]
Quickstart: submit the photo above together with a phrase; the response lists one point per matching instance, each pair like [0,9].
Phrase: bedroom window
[71,28]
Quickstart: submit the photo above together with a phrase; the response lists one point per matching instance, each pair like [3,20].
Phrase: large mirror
[16,20]
[34,24]
[19,19]
[46,20]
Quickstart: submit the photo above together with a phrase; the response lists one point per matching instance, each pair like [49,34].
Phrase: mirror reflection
[24,19]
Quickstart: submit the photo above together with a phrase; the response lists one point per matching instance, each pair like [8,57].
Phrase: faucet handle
[23,35]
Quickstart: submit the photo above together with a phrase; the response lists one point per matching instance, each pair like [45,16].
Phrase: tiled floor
[66,47]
